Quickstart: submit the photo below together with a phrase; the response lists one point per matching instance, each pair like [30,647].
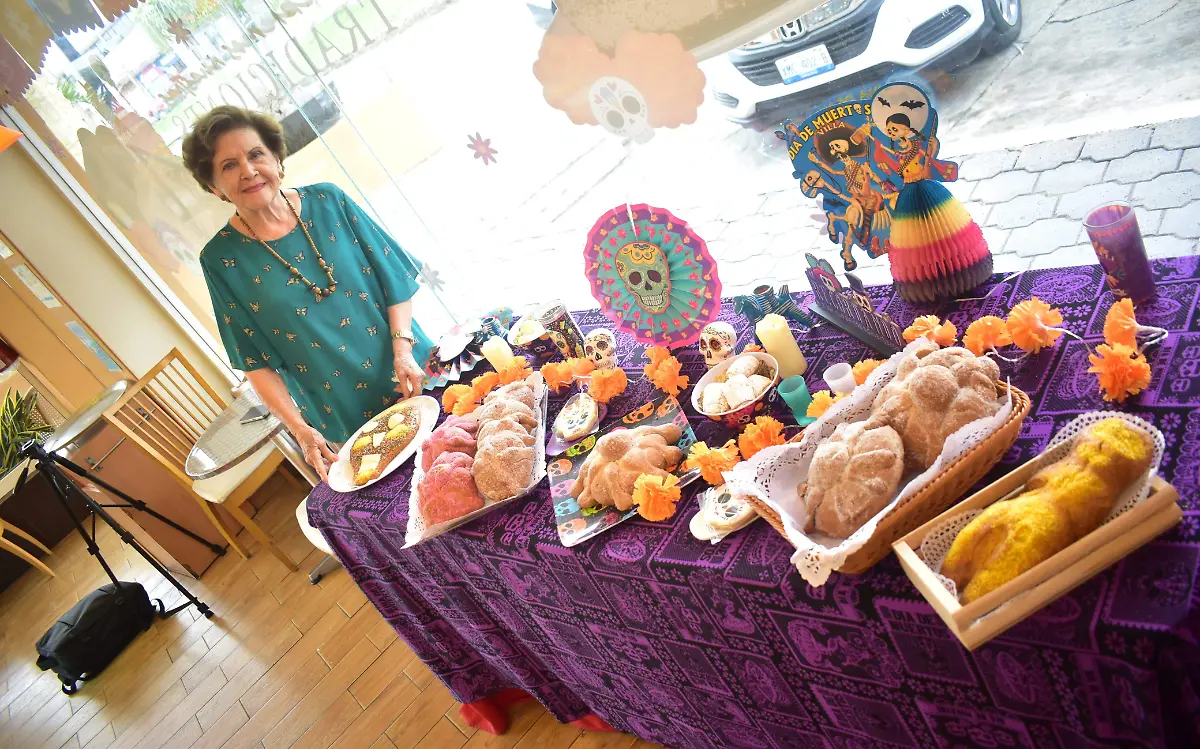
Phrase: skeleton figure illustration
[909,155]
[840,152]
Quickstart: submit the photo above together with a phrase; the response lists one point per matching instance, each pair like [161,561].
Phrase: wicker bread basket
[935,498]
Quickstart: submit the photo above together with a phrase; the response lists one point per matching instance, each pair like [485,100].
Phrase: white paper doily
[773,475]
[417,531]
[936,545]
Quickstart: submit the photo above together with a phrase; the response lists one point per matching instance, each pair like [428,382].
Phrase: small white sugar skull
[600,346]
[716,342]
[620,109]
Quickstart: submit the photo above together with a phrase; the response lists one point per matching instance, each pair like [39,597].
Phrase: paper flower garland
[1033,325]
[519,369]
[484,384]
[1121,370]
[663,371]
[557,375]
[453,394]
[712,461]
[656,496]
[607,384]
[929,326]
[764,432]
[863,370]
[988,333]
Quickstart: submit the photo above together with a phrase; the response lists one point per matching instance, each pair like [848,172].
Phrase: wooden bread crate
[942,492]
[979,621]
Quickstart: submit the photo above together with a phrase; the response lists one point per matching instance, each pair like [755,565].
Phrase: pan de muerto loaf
[934,395]
[447,490]
[853,475]
[446,439]
[607,476]
[503,466]
[518,391]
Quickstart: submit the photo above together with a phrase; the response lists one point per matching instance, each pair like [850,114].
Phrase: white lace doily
[936,545]
[773,475]
[417,531]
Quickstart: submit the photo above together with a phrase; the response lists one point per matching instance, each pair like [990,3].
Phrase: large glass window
[385,98]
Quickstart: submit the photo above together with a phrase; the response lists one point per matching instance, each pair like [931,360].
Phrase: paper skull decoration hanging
[621,109]
[716,343]
[600,346]
[643,268]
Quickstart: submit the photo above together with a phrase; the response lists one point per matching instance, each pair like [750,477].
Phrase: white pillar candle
[779,342]
[498,353]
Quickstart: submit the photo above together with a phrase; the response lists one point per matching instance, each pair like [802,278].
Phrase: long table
[689,644]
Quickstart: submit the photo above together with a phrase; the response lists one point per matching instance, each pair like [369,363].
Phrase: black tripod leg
[90,541]
[137,504]
[53,474]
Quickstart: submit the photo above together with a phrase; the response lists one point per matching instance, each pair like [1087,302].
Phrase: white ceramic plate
[341,475]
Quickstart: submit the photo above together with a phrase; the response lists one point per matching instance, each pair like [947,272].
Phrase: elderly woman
[312,297]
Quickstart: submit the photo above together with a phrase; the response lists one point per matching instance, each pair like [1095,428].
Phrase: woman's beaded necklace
[320,293]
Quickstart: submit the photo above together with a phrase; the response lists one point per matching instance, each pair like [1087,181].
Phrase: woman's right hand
[316,450]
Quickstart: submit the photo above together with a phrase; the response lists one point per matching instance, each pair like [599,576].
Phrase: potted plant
[20,422]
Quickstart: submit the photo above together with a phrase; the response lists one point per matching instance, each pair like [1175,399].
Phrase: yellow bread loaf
[1061,504]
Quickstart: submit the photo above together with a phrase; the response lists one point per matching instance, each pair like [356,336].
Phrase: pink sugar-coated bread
[446,439]
[447,491]
[468,424]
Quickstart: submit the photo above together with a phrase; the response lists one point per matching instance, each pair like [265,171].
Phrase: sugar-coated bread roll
[713,400]
[853,475]
[744,365]
[739,391]
[445,439]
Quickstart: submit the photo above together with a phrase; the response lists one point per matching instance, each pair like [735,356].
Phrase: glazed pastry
[521,392]
[507,425]
[1060,504]
[933,395]
[498,408]
[504,468]
[607,476]
[578,418]
[447,491]
[854,474]
[446,439]
[391,432]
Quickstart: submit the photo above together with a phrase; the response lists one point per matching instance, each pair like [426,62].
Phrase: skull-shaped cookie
[620,108]
[716,342]
[600,346]
[643,268]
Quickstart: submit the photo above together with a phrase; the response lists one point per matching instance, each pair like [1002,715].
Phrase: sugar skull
[643,268]
[620,109]
[600,346]
[716,342]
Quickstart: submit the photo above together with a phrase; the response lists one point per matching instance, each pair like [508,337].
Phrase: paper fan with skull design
[653,276]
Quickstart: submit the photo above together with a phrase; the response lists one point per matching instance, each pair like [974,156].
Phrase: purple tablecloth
[693,645]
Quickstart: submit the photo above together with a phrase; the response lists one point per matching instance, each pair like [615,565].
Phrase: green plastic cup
[794,391]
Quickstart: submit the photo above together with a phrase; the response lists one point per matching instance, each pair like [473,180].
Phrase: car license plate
[806,64]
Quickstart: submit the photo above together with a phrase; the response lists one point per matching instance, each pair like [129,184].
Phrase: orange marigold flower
[712,461]
[752,347]
[464,406]
[519,369]
[484,384]
[1032,324]
[657,355]
[821,401]
[607,384]
[580,367]
[1120,325]
[557,375]
[454,394]
[763,433]
[1121,370]
[863,370]
[666,376]
[985,334]
[656,496]
[929,326]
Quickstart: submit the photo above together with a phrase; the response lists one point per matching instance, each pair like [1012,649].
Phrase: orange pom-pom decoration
[1120,324]
[929,326]
[712,461]
[657,355]
[666,376]
[763,433]
[607,384]
[484,384]
[656,496]
[580,367]
[557,375]
[863,370]
[454,394]
[1032,325]
[1121,370]
[519,369]
[987,333]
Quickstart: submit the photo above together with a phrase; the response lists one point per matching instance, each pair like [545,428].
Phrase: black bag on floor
[94,632]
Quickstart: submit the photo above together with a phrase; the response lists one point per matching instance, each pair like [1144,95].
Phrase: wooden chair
[10,546]
[165,413]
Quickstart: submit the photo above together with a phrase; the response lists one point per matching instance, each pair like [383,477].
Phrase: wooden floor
[283,664]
